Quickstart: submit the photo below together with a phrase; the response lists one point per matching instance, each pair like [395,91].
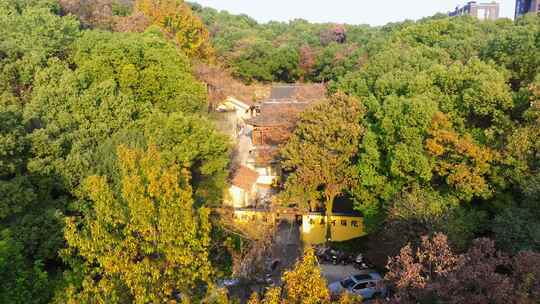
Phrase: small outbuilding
[243,190]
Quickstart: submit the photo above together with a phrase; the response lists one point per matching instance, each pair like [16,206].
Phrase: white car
[367,286]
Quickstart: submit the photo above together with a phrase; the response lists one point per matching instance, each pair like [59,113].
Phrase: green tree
[188,140]
[118,80]
[285,64]
[461,37]
[517,229]
[21,282]
[514,48]
[254,61]
[463,224]
[433,122]
[319,153]
[31,34]
[391,158]
[334,61]
[64,95]
[14,145]
[30,214]
[275,51]
[145,67]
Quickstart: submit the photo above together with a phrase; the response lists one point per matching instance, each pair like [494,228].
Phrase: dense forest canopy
[110,163]
[286,52]
[71,97]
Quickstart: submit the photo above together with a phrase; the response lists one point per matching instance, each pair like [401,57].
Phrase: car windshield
[362,277]
[347,283]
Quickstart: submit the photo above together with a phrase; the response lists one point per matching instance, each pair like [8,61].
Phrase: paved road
[333,273]
[244,146]
[287,246]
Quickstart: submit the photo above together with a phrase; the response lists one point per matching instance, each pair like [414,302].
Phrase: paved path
[288,239]
[244,145]
[286,248]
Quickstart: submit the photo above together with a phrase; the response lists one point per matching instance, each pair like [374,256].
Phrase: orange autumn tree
[179,23]
[464,163]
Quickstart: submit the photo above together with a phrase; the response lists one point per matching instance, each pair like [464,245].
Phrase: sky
[378,12]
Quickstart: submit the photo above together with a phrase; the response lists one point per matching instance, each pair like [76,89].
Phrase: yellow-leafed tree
[142,241]
[464,163]
[305,284]
[254,299]
[302,285]
[273,296]
[348,298]
[178,21]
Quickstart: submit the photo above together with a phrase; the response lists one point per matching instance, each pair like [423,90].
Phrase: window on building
[354,223]
[343,222]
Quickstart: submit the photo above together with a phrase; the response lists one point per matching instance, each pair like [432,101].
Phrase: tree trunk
[328,215]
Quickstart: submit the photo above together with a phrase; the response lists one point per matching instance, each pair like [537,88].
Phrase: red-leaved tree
[413,274]
[433,273]
[481,277]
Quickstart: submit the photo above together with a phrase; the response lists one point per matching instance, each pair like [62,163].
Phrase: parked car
[230,282]
[368,286]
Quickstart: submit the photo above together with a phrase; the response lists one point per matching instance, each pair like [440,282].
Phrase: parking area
[333,273]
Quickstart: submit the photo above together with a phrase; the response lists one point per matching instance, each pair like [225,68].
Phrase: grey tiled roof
[278,114]
[298,92]
[282,92]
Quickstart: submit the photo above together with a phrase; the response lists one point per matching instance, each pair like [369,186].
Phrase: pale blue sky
[376,12]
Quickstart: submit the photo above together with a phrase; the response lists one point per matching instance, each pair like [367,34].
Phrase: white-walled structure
[243,190]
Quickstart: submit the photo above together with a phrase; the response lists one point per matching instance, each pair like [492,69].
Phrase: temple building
[344,224]
[272,124]
[264,127]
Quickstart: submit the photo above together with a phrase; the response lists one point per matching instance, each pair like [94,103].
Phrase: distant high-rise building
[483,11]
[527,6]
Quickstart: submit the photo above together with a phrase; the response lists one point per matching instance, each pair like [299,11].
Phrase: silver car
[368,286]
